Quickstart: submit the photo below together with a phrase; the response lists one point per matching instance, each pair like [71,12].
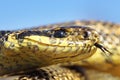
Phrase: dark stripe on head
[29,33]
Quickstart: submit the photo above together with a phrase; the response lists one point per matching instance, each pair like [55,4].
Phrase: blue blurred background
[18,14]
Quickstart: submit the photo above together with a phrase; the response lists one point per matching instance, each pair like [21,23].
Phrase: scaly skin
[110,38]
[57,72]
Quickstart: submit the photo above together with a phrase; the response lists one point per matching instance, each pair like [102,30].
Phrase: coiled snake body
[90,44]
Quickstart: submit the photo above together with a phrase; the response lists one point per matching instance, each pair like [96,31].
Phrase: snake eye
[60,33]
[86,34]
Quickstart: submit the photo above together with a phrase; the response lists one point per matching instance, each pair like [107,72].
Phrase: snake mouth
[103,49]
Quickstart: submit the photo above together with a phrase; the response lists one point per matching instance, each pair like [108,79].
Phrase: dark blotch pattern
[27,33]
[78,69]
[35,75]
[4,35]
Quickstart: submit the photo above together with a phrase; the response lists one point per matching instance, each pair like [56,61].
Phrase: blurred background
[18,14]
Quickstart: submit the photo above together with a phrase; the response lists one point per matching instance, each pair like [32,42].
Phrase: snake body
[39,47]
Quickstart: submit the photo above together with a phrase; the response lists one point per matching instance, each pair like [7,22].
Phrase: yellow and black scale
[78,50]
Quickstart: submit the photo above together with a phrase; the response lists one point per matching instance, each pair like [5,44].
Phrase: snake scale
[60,50]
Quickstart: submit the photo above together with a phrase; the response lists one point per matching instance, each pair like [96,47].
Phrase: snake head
[59,44]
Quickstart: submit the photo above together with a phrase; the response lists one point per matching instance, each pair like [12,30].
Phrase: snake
[91,44]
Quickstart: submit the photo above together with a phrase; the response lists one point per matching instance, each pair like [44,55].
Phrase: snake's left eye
[86,34]
[60,34]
